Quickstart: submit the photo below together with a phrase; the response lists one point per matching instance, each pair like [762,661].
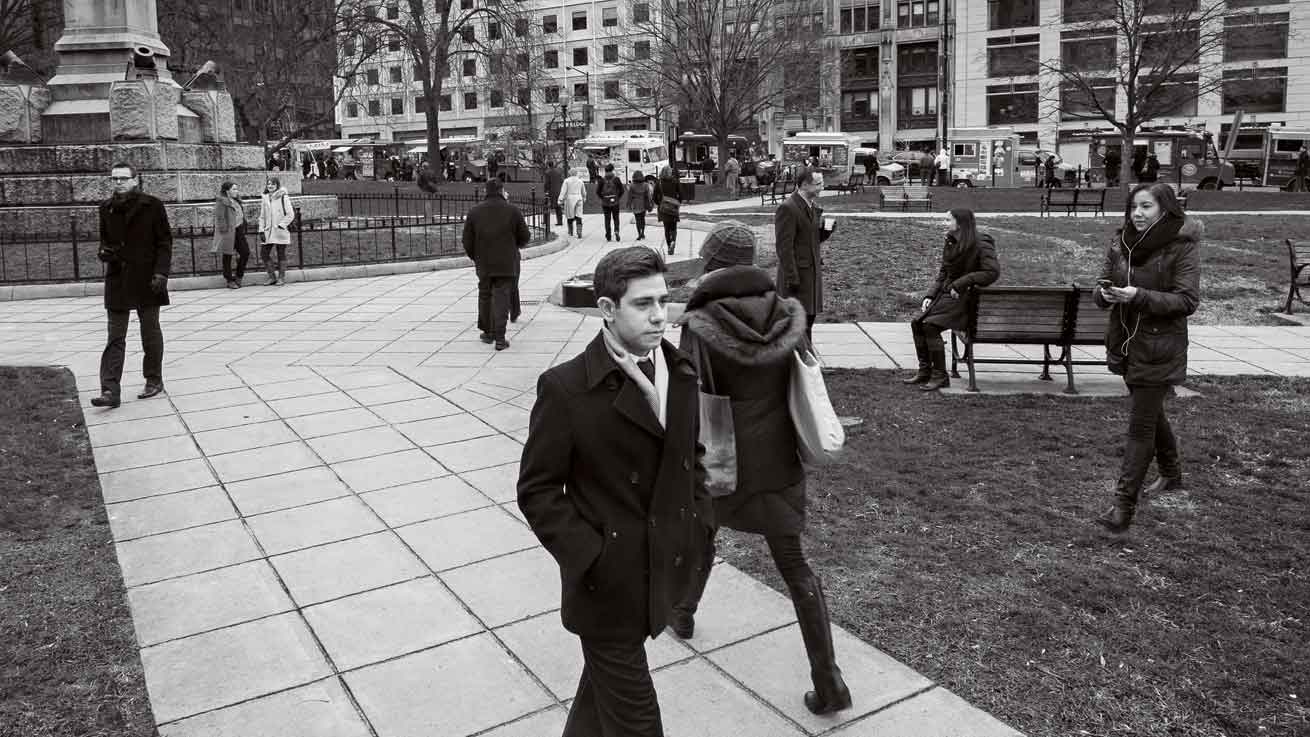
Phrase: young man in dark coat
[136,245]
[798,231]
[610,190]
[617,427]
[554,182]
[494,231]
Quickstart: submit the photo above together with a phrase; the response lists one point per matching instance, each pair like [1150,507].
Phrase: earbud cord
[1123,348]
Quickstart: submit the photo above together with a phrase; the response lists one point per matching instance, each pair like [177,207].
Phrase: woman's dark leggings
[243,255]
[787,556]
[670,231]
[1149,436]
[930,336]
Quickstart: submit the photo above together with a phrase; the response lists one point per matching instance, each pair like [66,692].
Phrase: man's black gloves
[158,283]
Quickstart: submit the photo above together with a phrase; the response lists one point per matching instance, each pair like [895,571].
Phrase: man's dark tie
[647,367]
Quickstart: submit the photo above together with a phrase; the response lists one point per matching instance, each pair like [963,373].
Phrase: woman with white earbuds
[1151,282]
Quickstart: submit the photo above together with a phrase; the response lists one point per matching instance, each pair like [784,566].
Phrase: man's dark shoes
[502,344]
[105,400]
[486,338]
[683,624]
[150,390]
[1164,483]
[920,377]
[1116,519]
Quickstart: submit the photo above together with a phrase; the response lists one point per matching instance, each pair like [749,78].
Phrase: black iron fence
[369,228]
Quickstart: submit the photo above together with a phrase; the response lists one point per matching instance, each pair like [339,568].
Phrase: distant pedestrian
[968,261]
[493,167]
[494,231]
[554,179]
[1151,170]
[668,198]
[943,162]
[610,191]
[639,200]
[1139,162]
[230,233]
[749,176]
[927,168]
[276,214]
[593,169]
[871,168]
[798,230]
[136,246]
[427,179]
[731,170]
[332,167]
[1112,164]
[1153,273]
[573,195]
[1050,170]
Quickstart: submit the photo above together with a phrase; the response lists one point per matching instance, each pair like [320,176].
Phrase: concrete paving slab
[264,461]
[184,552]
[416,409]
[144,453]
[169,512]
[936,713]
[331,423]
[385,623]
[505,417]
[548,722]
[471,455]
[214,400]
[138,483]
[203,384]
[387,393]
[244,437]
[509,588]
[467,537]
[321,709]
[286,490]
[429,693]
[293,388]
[313,404]
[330,571]
[349,446]
[395,469]
[313,524]
[227,666]
[185,606]
[217,419]
[736,607]
[695,700]
[451,429]
[135,430]
[424,500]
[500,483]
[364,379]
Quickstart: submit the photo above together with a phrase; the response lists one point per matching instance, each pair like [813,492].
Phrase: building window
[1255,90]
[418,74]
[1179,95]
[860,106]
[1168,7]
[397,106]
[497,99]
[370,45]
[1235,4]
[348,47]
[466,32]
[552,94]
[611,90]
[374,107]
[641,50]
[579,20]
[524,97]
[521,62]
[1010,104]
[470,68]
[580,57]
[645,93]
[493,31]
[549,24]
[371,76]
[395,74]
[352,110]
[552,60]
[1081,11]
[1170,45]
[859,16]
[1253,37]
[420,105]
[610,53]
[1083,50]
[641,13]
[465,4]
[859,63]
[916,59]
[444,103]
[580,92]
[470,101]
[393,44]
[917,13]
[1003,14]
[917,102]
[1077,103]
[1012,56]
[521,27]
[609,17]
[393,12]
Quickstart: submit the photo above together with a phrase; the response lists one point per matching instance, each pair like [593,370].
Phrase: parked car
[907,159]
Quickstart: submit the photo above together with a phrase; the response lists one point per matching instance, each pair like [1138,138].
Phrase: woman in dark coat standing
[1154,272]
[749,333]
[668,200]
[968,261]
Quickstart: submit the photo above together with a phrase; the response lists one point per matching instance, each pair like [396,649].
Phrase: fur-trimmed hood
[1140,247]
[738,313]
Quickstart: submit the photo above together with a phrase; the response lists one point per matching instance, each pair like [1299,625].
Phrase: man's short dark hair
[620,266]
[123,165]
[495,187]
[609,168]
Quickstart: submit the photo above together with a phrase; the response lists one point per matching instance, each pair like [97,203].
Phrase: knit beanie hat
[730,243]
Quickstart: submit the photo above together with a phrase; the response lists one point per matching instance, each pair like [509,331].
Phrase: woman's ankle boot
[925,362]
[830,692]
[938,378]
[1120,517]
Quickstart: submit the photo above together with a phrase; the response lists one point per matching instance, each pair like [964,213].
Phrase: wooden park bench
[1047,316]
[854,184]
[1073,199]
[776,191]
[1298,261]
[908,194]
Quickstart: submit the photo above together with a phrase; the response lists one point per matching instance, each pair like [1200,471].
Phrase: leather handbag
[717,432]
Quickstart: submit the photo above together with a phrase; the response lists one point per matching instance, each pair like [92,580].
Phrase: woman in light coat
[230,233]
[572,195]
[276,213]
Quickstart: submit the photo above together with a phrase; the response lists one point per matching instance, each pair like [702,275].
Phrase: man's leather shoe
[486,338]
[150,390]
[105,400]
[502,344]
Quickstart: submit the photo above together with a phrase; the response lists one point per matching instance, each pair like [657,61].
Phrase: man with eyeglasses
[136,246]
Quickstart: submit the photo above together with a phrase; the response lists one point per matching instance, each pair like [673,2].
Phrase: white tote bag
[819,434]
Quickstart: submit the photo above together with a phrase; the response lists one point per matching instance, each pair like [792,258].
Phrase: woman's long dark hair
[966,230]
[1163,195]
[225,188]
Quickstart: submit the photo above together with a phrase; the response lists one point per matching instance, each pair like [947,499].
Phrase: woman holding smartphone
[1151,282]
[276,213]
[968,261]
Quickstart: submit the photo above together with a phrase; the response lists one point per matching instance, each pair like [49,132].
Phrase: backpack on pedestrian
[610,191]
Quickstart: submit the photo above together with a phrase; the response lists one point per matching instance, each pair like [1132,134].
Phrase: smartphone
[1104,283]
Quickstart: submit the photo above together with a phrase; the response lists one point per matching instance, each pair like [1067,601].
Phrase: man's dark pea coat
[797,236]
[139,235]
[494,231]
[618,501]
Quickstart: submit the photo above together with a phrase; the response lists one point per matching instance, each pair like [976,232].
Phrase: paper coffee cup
[829,223]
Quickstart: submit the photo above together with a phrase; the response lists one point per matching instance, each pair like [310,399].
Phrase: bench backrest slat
[1090,326]
[1298,252]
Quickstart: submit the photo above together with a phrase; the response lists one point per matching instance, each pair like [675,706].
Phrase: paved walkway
[318,532]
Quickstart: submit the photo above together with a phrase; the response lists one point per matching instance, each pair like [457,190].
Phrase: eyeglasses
[123,179]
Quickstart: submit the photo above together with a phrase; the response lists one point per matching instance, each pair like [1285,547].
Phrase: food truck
[1186,156]
[890,173]
[629,151]
[1268,155]
[833,153]
[465,158]
[984,157]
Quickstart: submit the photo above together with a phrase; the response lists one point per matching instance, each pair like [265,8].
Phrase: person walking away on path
[639,201]
[1050,170]
[427,179]
[1139,161]
[593,169]
[610,192]
[554,178]
[968,261]
[749,179]
[230,233]
[612,484]
[871,169]
[749,333]
[1151,282]
[573,195]
[276,214]
[798,228]
[927,168]
[1112,164]
[136,246]
[668,198]
[943,162]
[731,172]
[494,231]
[1151,171]
[1299,182]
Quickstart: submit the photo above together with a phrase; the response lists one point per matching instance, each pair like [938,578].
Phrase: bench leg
[1046,364]
[1068,368]
[1292,291]
[955,358]
[968,357]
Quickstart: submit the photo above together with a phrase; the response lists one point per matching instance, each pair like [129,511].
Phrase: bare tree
[516,76]
[1162,54]
[720,58]
[26,28]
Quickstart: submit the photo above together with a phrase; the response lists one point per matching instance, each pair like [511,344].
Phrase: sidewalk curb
[22,292]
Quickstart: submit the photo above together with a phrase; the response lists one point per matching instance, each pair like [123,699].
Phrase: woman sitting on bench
[1151,282]
[968,261]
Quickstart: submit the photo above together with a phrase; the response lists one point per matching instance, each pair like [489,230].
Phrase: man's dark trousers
[152,344]
[616,696]
[611,214]
[494,296]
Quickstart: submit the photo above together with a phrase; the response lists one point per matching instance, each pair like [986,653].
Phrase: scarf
[1139,247]
[629,368]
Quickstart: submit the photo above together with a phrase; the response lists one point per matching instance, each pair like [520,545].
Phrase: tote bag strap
[702,357]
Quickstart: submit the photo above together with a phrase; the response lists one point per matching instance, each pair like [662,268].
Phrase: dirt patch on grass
[68,653]
[956,536]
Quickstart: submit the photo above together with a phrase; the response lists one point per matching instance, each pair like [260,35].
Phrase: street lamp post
[587,102]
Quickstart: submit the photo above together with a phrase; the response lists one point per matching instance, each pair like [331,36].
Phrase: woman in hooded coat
[276,213]
[1151,282]
[748,333]
[572,196]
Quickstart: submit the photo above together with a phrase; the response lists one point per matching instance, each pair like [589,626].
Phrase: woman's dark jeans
[787,554]
[1149,436]
[670,230]
[243,255]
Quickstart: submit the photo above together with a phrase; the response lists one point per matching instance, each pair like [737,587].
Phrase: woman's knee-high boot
[830,692]
[925,361]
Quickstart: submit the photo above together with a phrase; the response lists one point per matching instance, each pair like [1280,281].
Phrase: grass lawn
[68,654]
[875,268]
[975,561]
